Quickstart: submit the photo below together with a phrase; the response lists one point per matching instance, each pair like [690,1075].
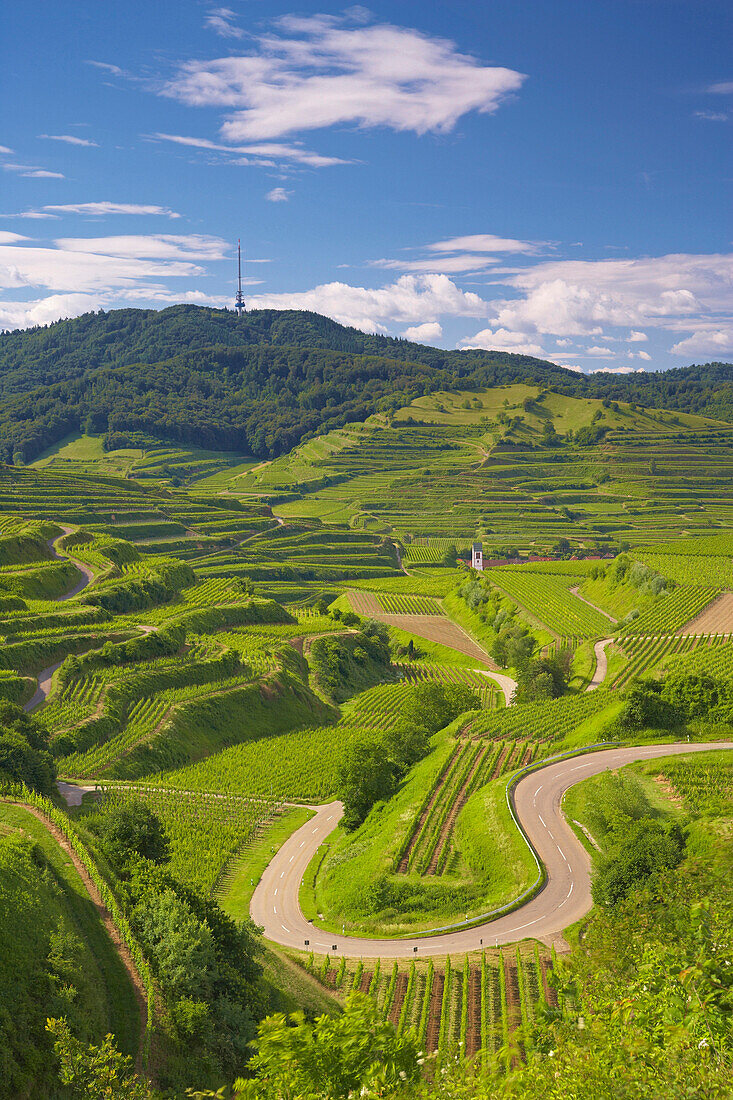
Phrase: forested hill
[263,382]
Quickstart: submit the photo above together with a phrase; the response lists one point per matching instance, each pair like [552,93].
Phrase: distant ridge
[266,380]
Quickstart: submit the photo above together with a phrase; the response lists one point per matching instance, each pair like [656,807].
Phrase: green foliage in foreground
[88,1069]
[56,959]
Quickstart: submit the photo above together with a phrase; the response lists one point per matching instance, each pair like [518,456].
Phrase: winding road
[564,899]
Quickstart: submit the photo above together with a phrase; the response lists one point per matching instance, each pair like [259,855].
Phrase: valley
[260,680]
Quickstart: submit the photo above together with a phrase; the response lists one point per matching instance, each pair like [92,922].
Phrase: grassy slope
[111,1003]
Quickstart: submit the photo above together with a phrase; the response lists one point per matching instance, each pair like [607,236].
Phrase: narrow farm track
[601,664]
[576,592]
[564,898]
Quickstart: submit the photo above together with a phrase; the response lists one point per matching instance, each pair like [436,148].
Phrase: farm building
[477,556]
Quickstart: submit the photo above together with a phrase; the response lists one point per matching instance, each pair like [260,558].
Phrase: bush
[24,755]
[645,849]
[132,830]
[646,709]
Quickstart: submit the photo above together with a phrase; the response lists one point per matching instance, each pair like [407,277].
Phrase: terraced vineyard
[647,653]
[462,1008]
[547,597]
[676,612]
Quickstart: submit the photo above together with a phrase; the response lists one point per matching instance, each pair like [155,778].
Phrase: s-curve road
[565,898]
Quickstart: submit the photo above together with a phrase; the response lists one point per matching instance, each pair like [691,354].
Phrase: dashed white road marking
[542,819]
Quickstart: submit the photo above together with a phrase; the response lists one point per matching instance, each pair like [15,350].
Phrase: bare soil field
[364,603]
[437,628]
[716,618]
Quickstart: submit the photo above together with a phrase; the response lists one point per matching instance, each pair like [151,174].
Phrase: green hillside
[261,383]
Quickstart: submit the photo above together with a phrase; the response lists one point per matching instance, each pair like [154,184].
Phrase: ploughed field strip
[469,1006]
[715,618]
[434,627]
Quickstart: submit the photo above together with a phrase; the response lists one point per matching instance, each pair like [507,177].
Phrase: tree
[543,677]
[132,829]
[645,708]
[644,849]
[433,706]
[450,557]
[24,753]
[366,775]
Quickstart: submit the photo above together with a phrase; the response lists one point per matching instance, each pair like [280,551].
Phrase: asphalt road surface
[565,897]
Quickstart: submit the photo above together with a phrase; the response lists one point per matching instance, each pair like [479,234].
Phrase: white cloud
[221,21]
[114,70]
[617,370]
[257,154]
[724,88]
[5,151]
[99,209]
[579,298]
[85,266]
[278,194]
[597,350]
[502,340]
[30,171]
[485,242]
[156,245]
[43,311]
[643,355]
[319,71]
[706,341]
[449,264]
[636,337]
[564,343]
[6,237]
[69,139]
[430,330]
[411,299]
[711,116]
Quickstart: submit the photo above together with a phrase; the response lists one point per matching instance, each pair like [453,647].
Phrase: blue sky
[551,178]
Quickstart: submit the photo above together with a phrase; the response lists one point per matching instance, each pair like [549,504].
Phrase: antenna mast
[239,302]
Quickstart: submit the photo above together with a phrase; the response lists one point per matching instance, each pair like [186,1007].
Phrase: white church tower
[477,557]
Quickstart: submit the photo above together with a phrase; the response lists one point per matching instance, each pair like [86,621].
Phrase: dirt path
[87,576]
[601,664]
[45,676]
[119,944]
[576,592]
